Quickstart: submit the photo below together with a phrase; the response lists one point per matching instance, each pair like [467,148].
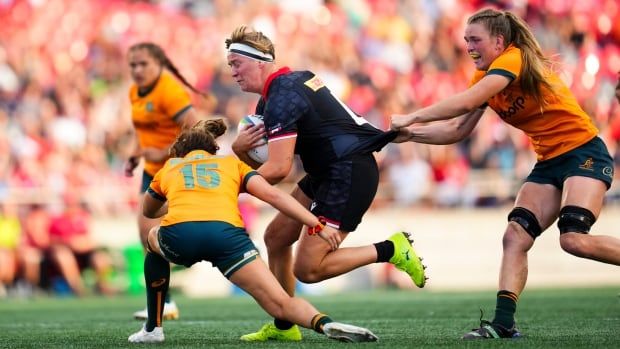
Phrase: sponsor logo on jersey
[315,83]
[517,104]
[608,171]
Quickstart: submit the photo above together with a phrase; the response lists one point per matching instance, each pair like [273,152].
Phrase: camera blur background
[66,129]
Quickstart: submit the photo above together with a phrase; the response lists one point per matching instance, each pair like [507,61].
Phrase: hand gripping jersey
[297,104]
[154,115]
[201,187]
[555,128]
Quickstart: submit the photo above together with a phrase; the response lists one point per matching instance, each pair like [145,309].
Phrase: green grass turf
[563,318]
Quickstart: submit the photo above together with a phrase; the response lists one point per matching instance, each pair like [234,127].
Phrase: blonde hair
[250,37]
[515,31]
[200,137]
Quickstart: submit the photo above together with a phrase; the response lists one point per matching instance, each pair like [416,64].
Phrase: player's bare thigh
[284,230]
[584,192]
[543,200]
[153,241]
[311,250]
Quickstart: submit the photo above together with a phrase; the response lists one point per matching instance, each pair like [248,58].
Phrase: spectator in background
[574,168]
[72,248]
[410,177]
[618,88]
[53,78]
[160,107]
[10,235]
[35,246]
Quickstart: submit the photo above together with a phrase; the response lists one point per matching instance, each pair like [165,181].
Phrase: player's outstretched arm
[455,105]
[445,132]
[286,204]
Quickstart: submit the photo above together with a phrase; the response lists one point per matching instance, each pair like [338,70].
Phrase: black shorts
[346,191]
[591,159]
[227,247]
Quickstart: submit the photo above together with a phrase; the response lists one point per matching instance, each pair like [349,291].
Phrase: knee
[576,244]
[280,236]
[307,274]
[526,219]
[575,219]
[60,252]
[270,237]
[515,239]
[101,260]
[144,227]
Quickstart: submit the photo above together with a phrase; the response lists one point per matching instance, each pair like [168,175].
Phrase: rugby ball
[259,153]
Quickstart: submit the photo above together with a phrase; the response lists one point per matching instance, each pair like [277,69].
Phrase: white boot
[348,333]
[142,336]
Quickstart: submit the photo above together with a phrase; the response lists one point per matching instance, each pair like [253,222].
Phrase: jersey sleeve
[282,110]
[508,64]
[175,101]
[155,187]
[245,172]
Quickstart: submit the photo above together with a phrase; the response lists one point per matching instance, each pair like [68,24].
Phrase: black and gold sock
[385,251]
[282,324]
[319,320]
[157,279]
[505,309]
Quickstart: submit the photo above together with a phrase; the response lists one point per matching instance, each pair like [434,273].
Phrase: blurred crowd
[65,126]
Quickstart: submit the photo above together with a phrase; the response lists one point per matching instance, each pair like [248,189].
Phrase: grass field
[575,318]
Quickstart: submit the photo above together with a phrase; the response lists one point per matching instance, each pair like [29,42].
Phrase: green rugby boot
[271,332]
[406,259]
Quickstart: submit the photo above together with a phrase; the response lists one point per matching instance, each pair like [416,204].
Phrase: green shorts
[227,247]
[591,159]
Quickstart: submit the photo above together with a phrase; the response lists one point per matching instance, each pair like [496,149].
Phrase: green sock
[157,279]
[505,309]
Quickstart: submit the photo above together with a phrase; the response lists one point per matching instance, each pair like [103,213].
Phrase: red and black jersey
[298,104]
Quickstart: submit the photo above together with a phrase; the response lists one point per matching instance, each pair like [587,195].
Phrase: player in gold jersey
[160,107]
[196,192]
[574,168]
